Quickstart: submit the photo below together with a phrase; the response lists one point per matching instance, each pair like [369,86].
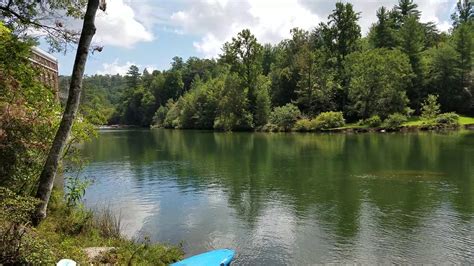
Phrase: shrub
[285,116]
[430,107]
[160,116]
[108,224]
[304,125]
[327,120]
[172,117]
[269,127]
[447,120]
[373,121]
[17,242]
[394,121]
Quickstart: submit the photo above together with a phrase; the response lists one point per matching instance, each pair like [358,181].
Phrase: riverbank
[72,232]
[412,124]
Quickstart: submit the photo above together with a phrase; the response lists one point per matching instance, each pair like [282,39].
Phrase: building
[48,66]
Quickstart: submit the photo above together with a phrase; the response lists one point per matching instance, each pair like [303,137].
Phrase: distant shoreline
[344,130]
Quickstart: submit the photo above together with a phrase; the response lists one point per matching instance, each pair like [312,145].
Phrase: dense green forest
[388,73]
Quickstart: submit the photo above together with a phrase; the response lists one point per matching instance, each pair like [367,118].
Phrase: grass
[413,121]
[465,120]
[68,230]
[417,121]
[350,126]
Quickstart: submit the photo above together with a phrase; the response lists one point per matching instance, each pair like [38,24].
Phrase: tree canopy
[329,68]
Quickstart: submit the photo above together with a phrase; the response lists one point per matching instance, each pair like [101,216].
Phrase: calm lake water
[292,199]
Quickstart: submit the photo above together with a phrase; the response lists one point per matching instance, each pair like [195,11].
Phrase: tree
[444,78]
[147,78]
[48,174]
[173,86]
[133,77]
[382,34]
[379,79]
[207,102]
[177,63]
[342,32]
[431,34]
[268,58]
[28,116]
[430,108]
[317,87]
[196,67]
[463,42]
[412,44]
[405,9]
[285,72]
[244,55]
[138,107]
[233,112]
[263,103]
[339,38]
[464,13]
[285,116]
[42,16]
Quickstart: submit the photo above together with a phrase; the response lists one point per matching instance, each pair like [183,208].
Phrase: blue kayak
[219,257]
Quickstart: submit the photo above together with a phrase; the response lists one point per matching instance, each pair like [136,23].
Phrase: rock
[94,252]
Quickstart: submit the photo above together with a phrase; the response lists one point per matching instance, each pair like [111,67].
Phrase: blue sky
[148,33]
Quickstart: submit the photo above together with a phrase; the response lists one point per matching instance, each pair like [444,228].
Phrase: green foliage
[445,78]
[394,121]
[138,108]
[379,79]
[383,34]
[172,117]
[464,45]
[464,13]
[133,77]
[285,116]
[373,121]
[430,107]
[405,9]
[342,32]
[23,16]
[160,116]
[394,68]
[412,44]
[328,120]
[317,86]
[29,116]
[18,244]
[75,190]
[66,231]
[263,102]
[447,120]
[233,112]
[304,125]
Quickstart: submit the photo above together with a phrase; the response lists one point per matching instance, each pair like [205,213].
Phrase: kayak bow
[219,257]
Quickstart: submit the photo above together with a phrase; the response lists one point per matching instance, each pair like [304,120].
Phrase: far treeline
[391,72]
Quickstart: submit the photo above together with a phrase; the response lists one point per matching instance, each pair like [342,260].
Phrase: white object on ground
[66,262]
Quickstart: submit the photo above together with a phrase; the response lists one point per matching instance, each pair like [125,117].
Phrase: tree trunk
[51,165]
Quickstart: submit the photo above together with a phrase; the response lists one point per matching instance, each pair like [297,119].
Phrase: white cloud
[216,21]
[116,68]
[119,26]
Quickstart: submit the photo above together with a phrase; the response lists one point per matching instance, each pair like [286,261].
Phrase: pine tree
[464,13]
[412,44]
[383,35]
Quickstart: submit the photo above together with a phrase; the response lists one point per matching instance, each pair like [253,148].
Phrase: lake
[292,199]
